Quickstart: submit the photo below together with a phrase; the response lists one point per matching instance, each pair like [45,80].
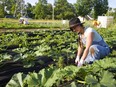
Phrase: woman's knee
[93,49]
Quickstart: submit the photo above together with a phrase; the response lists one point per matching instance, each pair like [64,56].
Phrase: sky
[112,3]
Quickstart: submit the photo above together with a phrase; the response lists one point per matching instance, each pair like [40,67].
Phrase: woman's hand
[80,63]
[77,60]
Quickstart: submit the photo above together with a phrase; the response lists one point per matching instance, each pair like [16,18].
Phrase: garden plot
[48,58]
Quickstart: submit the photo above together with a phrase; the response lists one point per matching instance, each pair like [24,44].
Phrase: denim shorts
[97,50]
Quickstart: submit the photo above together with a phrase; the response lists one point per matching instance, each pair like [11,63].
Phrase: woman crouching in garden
[95,46]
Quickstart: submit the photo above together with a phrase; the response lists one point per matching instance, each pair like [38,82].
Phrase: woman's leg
[96,52]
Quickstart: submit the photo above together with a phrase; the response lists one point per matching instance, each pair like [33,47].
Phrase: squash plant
[96,75]
[61,46]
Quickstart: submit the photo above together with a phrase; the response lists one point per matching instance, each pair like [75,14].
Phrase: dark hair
[79,41]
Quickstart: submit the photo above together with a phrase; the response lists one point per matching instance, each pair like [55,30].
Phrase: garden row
[54,51]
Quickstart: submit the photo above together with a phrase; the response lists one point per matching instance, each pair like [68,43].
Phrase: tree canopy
[83,7]
[61,9]
[100,7]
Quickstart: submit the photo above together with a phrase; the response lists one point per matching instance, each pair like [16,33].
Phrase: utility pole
[53,10]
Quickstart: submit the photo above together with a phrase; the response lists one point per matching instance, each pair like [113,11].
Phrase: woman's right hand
[77,60]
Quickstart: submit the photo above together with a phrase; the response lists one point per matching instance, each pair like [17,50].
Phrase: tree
[8,6]
[1,10]
[49,11]
[63,9]
[112,12]
[100,7]
[83,7]
[12,10]
[29,9]
[20,8]
[40,9]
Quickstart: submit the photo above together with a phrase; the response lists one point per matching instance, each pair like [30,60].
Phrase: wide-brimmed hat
[74,22]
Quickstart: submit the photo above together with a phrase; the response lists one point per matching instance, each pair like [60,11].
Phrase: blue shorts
[96,52]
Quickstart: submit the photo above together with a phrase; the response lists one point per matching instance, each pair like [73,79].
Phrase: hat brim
[73,25]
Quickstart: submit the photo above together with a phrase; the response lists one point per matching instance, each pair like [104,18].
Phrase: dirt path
[26,30]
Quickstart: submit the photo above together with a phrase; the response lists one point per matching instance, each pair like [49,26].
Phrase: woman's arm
[86,51]
[80,50]
[88,44]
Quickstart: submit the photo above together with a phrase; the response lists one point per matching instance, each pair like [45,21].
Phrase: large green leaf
[107,79]
[106,63]
[40,50]
[46,74]
[101,79]
[90,79]
[33,79]
[16,81]
[68,72]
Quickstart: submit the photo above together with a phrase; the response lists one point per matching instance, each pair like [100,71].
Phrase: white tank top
[96,37]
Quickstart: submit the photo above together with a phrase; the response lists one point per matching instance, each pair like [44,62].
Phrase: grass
[33,24]
[6,24]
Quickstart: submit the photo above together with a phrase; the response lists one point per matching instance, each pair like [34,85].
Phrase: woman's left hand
[80,63]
